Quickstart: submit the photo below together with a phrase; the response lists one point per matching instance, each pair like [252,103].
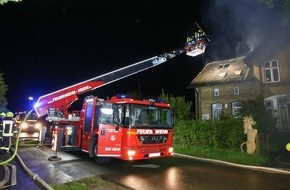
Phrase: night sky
[48,45]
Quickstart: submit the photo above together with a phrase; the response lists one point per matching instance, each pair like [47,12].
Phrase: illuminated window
[272,71]
[222,75]
[237,73]
[217,109]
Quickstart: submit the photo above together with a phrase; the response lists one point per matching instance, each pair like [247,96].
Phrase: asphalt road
[177,172]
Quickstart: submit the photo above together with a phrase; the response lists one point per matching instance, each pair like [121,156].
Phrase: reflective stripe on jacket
[7,128]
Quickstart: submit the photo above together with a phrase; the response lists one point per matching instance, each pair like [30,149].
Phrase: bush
[222,134]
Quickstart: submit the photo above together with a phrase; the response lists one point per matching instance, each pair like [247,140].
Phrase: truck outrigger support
[54,146]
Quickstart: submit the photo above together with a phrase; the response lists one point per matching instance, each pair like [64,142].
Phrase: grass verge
[90,183]
[224,155]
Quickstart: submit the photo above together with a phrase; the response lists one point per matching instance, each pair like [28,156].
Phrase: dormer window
[222,75]
[224,66]
[237,72]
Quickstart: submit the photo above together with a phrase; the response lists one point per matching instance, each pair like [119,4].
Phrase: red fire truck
[119,127]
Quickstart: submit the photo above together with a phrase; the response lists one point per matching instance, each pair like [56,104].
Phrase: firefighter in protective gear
[9,128]
[2,116]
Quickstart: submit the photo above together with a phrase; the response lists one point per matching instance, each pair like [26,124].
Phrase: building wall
[281,87]
[284,60]
[205,97]
[274,92]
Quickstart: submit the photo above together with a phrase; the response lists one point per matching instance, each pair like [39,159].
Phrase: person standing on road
[9,128]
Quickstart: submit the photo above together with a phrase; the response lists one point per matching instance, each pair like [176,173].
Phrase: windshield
[150,116]
[106,114]
[31,116]
[136,116]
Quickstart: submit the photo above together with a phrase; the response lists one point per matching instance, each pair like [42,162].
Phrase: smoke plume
[236,27]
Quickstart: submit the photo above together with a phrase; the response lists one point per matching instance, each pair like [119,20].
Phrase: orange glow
[131,133]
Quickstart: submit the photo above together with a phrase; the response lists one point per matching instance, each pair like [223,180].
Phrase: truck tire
[98,159]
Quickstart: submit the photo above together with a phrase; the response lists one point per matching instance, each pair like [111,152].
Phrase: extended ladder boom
[62,99]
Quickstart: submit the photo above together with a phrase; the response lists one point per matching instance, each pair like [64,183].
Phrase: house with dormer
[223,86]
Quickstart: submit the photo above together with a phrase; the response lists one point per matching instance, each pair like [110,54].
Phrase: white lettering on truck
[63,96]
[145,131]
[69,93]
[151,132]
[161,131]
[84,88]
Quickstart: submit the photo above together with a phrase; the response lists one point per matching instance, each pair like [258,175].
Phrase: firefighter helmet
[2,114]
[9,114]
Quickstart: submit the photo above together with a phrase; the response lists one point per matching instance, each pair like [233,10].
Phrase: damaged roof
[222,72]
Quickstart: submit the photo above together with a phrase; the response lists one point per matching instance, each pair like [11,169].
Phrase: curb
[261,168]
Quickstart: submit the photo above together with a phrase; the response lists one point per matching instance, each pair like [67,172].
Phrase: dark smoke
[236,27]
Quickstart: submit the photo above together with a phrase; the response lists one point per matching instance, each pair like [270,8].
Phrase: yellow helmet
[9,114]
[2,114]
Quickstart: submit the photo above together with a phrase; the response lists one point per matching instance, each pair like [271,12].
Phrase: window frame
[235,109]
[216,92]
[269,105]
[236,90]
[271,71]
[216,110]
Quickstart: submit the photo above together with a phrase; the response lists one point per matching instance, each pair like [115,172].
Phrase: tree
[2,2]
[3,90]
[265,123]
[181,107]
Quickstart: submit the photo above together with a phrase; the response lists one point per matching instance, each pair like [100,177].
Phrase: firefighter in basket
[9,128]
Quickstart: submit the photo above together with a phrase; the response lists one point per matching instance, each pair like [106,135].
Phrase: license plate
[154,154]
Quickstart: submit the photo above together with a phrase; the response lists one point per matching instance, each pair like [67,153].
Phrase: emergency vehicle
[119,127]
[31,127]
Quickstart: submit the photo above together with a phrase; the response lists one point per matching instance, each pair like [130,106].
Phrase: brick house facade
[223,86]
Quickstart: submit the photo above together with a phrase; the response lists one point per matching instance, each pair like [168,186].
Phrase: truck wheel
[98,159]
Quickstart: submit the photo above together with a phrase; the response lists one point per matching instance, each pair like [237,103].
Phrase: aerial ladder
[56,104]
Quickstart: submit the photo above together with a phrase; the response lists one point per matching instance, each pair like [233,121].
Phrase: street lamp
[30,98]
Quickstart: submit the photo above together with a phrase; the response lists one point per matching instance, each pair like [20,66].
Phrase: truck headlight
[131,153]
[24,125]
[37,126]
